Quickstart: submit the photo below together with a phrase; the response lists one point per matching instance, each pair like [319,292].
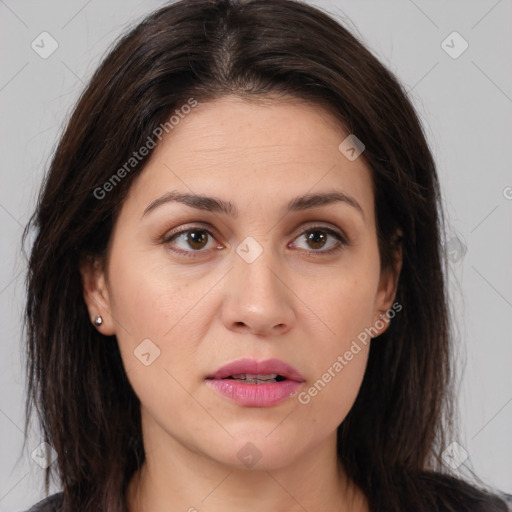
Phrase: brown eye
[190,240]
[318,237]
[196,239]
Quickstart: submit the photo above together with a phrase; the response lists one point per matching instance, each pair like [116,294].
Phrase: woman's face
[189,289]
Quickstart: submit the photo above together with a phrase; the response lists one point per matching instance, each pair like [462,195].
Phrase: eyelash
[342,242]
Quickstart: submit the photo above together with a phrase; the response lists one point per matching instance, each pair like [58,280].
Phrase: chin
[254,450]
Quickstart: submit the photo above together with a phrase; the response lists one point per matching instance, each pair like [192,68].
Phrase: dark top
[54,502]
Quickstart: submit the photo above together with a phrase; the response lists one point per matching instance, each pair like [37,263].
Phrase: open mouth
[249,378]
[253,383]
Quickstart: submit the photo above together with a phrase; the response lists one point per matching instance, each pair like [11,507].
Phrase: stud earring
[98,321]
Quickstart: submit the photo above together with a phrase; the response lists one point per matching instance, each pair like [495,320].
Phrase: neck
[174,478]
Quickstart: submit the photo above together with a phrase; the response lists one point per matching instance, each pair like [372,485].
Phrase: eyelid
[322,225]
[335,232]
[185,228]
[341,239]
[188,227]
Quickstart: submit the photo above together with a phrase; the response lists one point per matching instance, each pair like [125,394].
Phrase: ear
[388,284]
[96,294]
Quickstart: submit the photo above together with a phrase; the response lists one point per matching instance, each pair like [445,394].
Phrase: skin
[293,303]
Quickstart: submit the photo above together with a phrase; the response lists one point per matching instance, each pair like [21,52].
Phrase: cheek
[157,356]
[339,362]
[152,308]
[341,344]
[346,303]
[326,403]
[151,297]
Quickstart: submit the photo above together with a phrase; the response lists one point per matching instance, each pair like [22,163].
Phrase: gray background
[466,107]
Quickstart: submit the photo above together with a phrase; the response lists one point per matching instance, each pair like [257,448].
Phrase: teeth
[251,378]
[254,376]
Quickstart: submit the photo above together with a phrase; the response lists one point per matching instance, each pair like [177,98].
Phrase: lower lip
[255,395]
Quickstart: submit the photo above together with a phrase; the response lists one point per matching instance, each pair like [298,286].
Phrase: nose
[259,300]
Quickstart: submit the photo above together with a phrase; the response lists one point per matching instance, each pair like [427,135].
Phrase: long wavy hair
[391,441]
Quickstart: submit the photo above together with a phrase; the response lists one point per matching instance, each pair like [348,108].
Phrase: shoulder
[472,498]
[51,503]
[433,491]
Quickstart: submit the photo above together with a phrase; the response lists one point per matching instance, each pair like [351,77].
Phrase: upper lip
[247,365]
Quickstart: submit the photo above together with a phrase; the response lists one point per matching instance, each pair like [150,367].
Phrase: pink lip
[266,367]
[256,395]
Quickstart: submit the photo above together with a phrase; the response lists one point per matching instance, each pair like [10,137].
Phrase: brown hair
[390,442]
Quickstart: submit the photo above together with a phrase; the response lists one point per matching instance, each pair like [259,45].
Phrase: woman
[236,294]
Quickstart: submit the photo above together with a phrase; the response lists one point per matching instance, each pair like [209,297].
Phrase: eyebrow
[213,204]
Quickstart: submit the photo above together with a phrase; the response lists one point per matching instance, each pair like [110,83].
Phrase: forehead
[265,150]
[231,124]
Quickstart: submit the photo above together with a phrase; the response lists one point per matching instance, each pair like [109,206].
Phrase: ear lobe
[388,284]
[96,293]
